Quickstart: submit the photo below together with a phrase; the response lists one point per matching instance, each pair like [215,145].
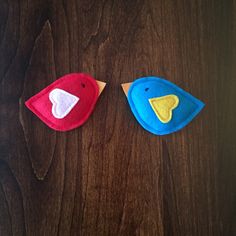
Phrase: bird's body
[67,103]
[160,106]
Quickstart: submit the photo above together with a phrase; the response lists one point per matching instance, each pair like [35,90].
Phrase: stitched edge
[197,102]
[30,101]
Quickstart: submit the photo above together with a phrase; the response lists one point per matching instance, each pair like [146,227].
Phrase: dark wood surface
[111,177]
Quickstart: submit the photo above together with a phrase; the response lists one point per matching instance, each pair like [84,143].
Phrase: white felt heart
[62,102]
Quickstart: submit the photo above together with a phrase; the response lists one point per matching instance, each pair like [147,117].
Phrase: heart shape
[163,106]
[62,102]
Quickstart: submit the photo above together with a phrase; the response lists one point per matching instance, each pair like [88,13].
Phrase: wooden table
[111,177]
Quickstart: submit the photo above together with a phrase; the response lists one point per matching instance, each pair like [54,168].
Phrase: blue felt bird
[160,106]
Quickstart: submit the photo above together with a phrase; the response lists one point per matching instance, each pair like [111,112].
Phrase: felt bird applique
[160,106]
[68,102]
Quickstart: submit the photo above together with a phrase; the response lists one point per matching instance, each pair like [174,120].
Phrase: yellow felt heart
[163,106]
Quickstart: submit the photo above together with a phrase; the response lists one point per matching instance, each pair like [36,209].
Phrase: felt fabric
[163,106]
[62,102]
[66,103]
[160,106]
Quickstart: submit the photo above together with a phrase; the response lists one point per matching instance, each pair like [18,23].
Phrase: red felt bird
[68,102]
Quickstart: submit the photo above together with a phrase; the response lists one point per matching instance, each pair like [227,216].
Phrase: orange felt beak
[126,87]
[101,86]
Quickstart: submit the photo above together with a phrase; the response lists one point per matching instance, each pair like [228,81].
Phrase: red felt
[81,85]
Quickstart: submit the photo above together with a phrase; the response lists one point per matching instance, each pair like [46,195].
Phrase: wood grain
[111,177]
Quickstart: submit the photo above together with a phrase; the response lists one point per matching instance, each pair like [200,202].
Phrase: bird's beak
[101,86]
[126,87]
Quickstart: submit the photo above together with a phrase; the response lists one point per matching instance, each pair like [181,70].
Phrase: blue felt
[187,109]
